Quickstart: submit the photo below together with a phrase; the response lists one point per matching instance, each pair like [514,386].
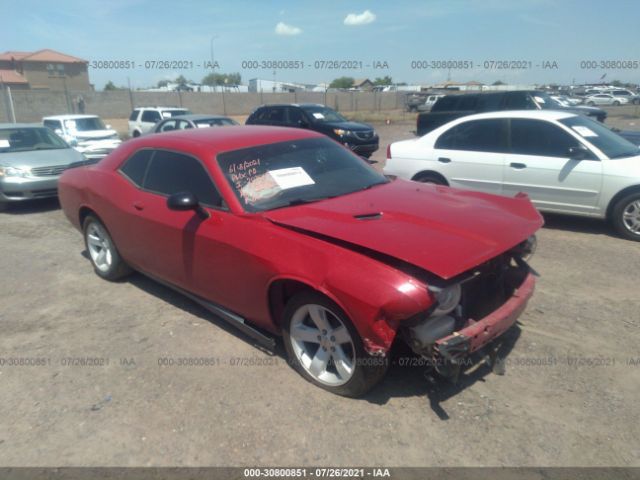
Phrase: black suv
[450,107]
[359,137]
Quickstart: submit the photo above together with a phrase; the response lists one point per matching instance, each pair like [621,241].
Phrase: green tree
[222,79]
[386,80]
[110,86]
[617,83]
[498,82]
[162,83]
[181,80]
[342,82]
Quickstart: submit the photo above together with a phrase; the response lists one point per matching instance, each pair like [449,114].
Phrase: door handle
[138,205]
[518,166]
[444,160]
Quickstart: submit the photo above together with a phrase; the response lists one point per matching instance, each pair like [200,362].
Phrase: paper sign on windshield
[319,116]
[4,143]
[539,99]
[291,177]
[584,131]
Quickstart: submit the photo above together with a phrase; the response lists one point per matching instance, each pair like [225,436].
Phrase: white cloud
[284,29]
[360,18]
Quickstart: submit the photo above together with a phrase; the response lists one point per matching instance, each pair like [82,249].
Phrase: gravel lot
[569,396]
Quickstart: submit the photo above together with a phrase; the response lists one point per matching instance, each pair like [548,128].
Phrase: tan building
[363,84]
[45,70]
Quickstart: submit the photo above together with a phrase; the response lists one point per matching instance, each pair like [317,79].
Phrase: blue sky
[399,31]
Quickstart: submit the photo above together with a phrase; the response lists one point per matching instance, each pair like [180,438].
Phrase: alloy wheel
[631,217]
[99,247]
[323,345]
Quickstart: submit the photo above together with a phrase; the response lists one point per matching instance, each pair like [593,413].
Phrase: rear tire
[432,178]
[625,216]
[616,103]
[591,104]
[136,134]
[105,258]
[325,348]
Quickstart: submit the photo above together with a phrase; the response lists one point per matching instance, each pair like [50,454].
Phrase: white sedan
[605,99]
[566,163]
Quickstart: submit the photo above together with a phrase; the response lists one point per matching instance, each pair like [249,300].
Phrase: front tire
[616,103]
[325,348]
[103,253]
[625,216]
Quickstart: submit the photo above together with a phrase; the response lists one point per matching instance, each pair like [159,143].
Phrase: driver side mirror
[578,153]
[184,201]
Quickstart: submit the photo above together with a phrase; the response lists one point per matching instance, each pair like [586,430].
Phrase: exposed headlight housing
[341,132]
[448,298]
[15,171]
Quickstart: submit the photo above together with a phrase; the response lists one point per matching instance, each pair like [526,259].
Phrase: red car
[285,232]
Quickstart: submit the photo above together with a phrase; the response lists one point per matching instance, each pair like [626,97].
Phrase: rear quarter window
[135,167]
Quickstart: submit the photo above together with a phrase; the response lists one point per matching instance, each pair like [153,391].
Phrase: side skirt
[231,318]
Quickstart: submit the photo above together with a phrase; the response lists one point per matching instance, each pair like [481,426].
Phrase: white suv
[86,133]
[142,119]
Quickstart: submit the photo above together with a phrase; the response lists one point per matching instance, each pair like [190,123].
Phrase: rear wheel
[136,133]
[103,253]
[433,178]
[325,348]
[616,103]
[626,216]
[591,104]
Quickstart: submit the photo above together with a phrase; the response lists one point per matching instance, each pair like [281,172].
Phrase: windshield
[610,143]
[289,173]
[546,102]
[28,139]
[85,124]
[215,122]
[323,114]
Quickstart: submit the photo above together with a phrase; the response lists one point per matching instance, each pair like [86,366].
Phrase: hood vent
[368,216]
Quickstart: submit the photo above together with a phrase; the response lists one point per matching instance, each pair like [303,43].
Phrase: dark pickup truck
[450,107]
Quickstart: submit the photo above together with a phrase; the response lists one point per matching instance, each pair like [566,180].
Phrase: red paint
[233,257]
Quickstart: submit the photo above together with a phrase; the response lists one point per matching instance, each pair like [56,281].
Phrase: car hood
[348,125]
[40,158]
[94,134]
[439,229]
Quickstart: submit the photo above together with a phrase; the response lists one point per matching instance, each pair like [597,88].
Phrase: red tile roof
[13,55]
[46,55]
[11,76]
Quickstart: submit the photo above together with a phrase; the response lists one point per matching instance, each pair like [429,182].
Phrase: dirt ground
[569,396]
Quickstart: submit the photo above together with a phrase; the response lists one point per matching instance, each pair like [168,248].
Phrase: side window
[490,102]
[52,124]
[276,115]
[171,173]
[518,101]
[183,125]
[168,126]
[445,104]
[537,137]
[475,136]
[295,116]
[151,116]
[468,102]
[136,166]
[262,114]
[134,115]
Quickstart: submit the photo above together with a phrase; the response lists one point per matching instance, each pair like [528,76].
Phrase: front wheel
[103,253]
[616,103]
[325,348]
[626,216]
[432,178]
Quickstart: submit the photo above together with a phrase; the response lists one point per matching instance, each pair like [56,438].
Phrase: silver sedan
[32,158]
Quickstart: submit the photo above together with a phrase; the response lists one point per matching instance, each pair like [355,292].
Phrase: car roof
[20,125]
[68,117]
[160,108]
[195,117]
[293,105]
[534,114]
[206,141]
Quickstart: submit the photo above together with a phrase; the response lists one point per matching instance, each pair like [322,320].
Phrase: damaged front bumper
[478,333]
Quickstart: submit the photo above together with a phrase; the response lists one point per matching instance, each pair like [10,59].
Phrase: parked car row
[336,258]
